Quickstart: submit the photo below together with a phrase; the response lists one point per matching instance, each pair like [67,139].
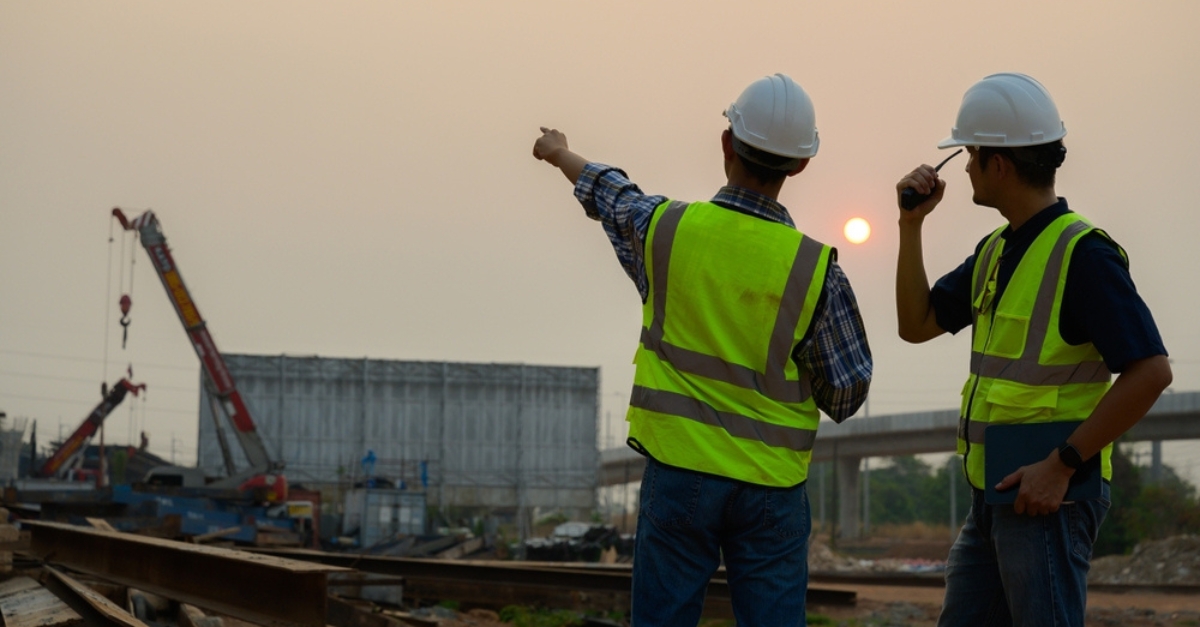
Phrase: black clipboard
[1008,447]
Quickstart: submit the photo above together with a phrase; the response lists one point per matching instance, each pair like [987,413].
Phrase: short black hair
[765,167]
[1036,166]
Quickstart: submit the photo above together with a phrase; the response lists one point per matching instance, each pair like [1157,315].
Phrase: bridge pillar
[849,515]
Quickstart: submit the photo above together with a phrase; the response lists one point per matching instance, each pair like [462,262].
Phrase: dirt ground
[1169,561]
[896,606]
[903,606]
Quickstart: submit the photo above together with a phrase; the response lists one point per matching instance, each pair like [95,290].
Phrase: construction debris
[455,546]
[99,602]
[192,616]
[1174,560]
[188,585]
[229,582]
[25,603]
[580,542]
[10,538]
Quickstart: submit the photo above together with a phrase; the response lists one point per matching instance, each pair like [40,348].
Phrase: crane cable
[107,300]
[127,298]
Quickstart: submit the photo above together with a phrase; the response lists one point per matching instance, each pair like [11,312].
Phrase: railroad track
[603,586]
[572,586]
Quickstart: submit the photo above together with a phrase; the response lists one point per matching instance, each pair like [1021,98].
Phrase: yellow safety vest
[1021,368]
[716,390]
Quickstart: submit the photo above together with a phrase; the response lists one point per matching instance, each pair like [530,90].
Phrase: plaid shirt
[836,354]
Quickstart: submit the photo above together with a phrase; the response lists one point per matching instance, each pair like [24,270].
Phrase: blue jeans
[688,522]
[1009,569]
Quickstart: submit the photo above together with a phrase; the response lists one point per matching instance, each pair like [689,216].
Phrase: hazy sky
[354,179]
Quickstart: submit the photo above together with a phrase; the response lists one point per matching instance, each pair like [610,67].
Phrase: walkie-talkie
[911,198]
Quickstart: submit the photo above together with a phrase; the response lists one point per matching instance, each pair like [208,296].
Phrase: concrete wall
[469,435]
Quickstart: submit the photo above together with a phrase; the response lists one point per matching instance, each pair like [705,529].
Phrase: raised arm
[552,148]
[914,313]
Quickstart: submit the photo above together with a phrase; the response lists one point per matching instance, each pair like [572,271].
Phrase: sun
[857,230]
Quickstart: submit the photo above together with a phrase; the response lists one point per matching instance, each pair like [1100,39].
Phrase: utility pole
[625,501]
[837,500]
[1156,464]
[952,471]
[821,495]
[33,460]
[866,518]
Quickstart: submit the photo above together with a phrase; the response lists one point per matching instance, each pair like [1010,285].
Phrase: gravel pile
[822,559]
[1174,560]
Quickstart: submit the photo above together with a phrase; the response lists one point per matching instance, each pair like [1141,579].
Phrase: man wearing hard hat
[1053,312]
[749,330]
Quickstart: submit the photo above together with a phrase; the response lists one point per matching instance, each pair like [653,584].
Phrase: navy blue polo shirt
[1100,303]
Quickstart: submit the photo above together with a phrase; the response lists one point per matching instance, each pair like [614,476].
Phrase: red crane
[263,475]
[70,453]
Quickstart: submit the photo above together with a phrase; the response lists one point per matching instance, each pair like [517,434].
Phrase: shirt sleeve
[838,357]
[950,298]
[608,196]
[1101,305]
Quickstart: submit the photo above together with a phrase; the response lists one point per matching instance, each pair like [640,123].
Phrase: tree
[1116,536]
[897,491]
[910,490]
[936,500]
[1163,509]
[1145,511]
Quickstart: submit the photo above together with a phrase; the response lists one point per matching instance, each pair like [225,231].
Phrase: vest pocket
[1008,335]
[1016,402]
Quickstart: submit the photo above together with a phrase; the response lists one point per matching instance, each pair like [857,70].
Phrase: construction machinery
[66,462]
[263,478]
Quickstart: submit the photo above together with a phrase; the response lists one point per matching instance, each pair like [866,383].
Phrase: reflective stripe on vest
[773,383]
[737,425]
[1027,369]
[1021,368]
[716,389]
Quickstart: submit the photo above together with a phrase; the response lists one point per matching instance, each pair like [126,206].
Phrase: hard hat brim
[949,142]
[953,142]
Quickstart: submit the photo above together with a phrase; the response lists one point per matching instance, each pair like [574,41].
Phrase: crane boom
[72,448]
[224,388]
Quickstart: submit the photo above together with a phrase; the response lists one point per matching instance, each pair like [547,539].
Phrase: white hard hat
[775,116]
[1006,110]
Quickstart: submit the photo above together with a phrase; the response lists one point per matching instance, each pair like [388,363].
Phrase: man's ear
[799,168]
[1004,167]
[727,145]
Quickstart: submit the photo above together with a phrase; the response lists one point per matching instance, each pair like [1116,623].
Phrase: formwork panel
[495,435]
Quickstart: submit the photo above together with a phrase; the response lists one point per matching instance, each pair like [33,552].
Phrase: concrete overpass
[1176,416]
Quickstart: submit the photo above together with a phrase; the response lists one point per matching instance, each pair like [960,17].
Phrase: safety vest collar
[773,382]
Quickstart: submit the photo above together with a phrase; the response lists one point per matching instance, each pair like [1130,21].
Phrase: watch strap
[1070,456]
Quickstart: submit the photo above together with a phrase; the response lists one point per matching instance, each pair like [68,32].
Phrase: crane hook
[126,302]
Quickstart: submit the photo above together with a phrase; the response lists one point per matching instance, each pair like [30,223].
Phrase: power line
[78,380]
[70,402]
[89,360]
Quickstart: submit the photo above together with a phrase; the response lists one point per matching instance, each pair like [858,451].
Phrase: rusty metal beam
[498,579]
[258,588]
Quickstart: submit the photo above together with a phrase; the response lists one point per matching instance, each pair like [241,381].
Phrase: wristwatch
[1069,456]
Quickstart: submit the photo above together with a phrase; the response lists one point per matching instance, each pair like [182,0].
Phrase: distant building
[492,436]
[12,436]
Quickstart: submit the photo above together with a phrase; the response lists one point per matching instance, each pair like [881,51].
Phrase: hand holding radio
[910,198]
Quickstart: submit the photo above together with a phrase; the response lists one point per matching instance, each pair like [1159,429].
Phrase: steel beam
[258,588]
[583,583]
